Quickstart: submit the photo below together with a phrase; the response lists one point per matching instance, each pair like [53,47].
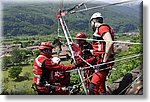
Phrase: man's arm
[109,43]
[57,67]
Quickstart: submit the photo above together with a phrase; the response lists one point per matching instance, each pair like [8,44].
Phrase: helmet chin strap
[94,29]
[93,25]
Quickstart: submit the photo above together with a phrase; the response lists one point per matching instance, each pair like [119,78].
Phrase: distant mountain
[33,19]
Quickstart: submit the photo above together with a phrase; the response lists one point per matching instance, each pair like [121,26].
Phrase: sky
[109,1]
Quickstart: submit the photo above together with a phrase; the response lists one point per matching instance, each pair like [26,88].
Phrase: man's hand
[75,66]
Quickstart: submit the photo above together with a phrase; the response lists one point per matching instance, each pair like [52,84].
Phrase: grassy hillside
[33,19]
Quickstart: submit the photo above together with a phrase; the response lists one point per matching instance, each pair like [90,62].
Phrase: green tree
[24,55]
[6,61]
[24,44]
[16,56]
[36,53]
[15,71]
[19,56]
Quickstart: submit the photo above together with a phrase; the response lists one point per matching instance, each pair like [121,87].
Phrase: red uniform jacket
[45,69]
[99,46]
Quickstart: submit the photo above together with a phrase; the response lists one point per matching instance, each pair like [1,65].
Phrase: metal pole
[101,6]
[69,45]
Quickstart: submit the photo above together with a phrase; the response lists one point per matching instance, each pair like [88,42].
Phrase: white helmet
[56,60]
[96,15]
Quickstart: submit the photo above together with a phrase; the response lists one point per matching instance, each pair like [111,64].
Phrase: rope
[64,88]
[114,61]
[101,6]
[61,4]
[118,55]
[131,84]
[68,31]
[101,70]
[58,29]
[85,61]
[83,68]
[123,42]
[91,66]
[91,76]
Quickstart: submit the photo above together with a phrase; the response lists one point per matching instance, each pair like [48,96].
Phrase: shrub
[15,71]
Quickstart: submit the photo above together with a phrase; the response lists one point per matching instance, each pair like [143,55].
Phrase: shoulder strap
[104,25]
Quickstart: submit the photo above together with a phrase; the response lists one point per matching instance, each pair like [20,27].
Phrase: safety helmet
[56,60]
[80,35]
[45,45]
[96,15]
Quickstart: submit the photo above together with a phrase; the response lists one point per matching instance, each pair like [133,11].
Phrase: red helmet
[45,45]
[80,35]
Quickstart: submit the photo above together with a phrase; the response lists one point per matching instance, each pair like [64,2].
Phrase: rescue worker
[86,54]
[83,44]
[47,70]
[102,50]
